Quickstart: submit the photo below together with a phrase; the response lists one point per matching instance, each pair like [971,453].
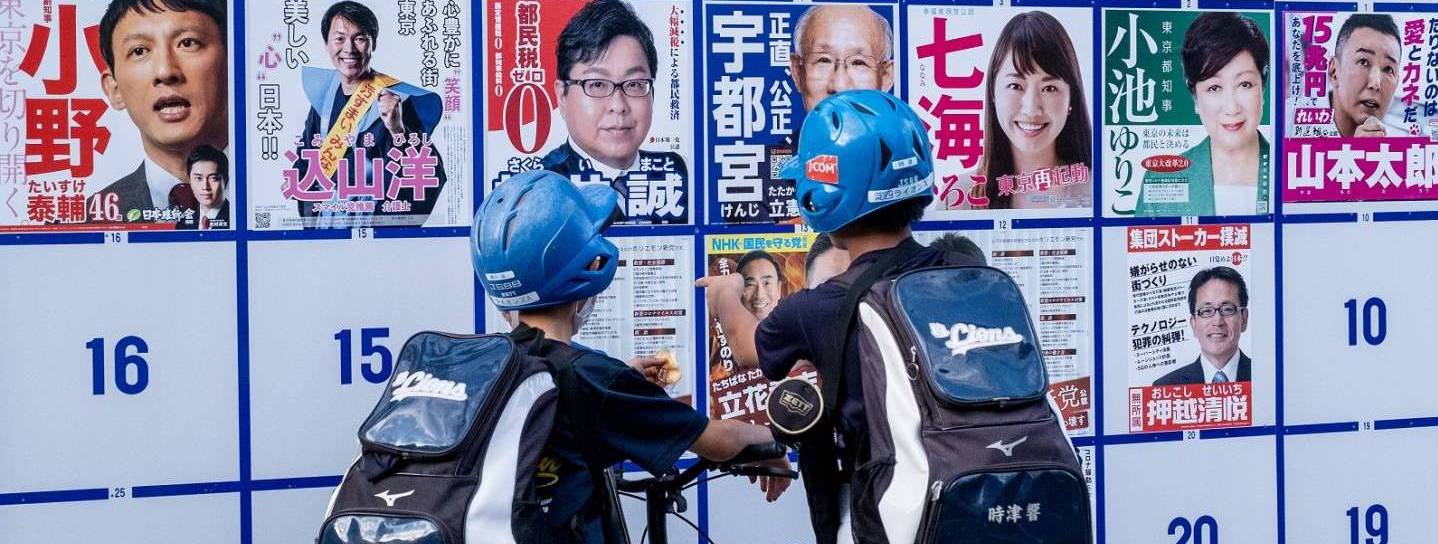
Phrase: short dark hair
[892,218]
[357,14]
[594,27]
[756,255]
[822,243]
[952,242]
[1223,273]
[1214,39]
[208,153]
[215,9]
[1380,22]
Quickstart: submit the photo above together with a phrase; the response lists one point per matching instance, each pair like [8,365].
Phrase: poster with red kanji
[598,92]
[114,123]
[359,114]
[773,266]
[1188,108]
[1051,268]
[1005,94]
[1188,299]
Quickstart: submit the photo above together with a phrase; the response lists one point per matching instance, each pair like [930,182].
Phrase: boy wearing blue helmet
[538,250]
[864,175]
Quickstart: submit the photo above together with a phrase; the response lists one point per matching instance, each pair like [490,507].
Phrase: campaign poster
[1189,366]
[1052,269]
[768,64]
[1005,94]
[358,114]
[773,267]
[98,121]
[621,114]
[648,309]
[1187,112]
[1362,106]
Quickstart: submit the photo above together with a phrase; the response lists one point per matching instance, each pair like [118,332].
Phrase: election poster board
[762,76]
[1187,120]
[773,268]
[1189,366]
[635,137]
[1005,94]
[648,310]
[1361,93]
[368,126]
[88,142]
[1050,266]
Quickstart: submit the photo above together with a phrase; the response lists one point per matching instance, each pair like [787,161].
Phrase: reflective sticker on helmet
[904,163]
[823,169]
[527,298]
[908,187]
[499,276]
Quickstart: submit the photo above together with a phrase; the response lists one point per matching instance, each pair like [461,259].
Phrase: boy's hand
[774,486]
[651,367]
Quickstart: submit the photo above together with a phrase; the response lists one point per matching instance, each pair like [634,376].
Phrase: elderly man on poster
[606,63]
[1218,316]
[357,116]
[839,48]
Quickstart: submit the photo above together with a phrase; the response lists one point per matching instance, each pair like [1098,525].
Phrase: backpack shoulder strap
[605,497]
[831,358]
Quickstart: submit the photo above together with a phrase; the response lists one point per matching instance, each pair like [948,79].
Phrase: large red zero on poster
[527,103]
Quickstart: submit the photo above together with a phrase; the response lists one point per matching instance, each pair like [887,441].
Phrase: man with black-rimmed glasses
[606,63]
[1218,316]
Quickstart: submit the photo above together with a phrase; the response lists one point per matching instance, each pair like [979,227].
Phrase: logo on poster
[823,168]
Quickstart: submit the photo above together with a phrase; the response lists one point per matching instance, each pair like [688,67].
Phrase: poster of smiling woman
[1187,113]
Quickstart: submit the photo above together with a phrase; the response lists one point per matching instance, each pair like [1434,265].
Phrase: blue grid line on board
[1307,218]
[52,238]
[1405,423]
[1083,441]
[176,490]
[1098,413]
[41,497]
[316,234]
[1141,438]
[311,482]
[1237,432]
[1131,4]
[1316,6]
[1380,7]
[1321,428]
[1051,4]
[178,236]
[1222,219]
[480,32]
[698,41]
[421,232]
[1054,222]
[1236,4]
[955,224]
[1281,174]
[1140,221]
[242,276]
[1386,217]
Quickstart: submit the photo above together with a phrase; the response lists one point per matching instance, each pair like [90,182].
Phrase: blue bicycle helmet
[535,237]
[859,151]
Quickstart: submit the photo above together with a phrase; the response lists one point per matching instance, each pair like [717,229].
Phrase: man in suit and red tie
[1218,315]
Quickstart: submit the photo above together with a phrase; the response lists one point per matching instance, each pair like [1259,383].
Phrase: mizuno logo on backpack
[389,498]
[1008,449]
[964,337]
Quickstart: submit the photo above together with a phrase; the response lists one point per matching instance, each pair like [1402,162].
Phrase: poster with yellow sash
[359,114]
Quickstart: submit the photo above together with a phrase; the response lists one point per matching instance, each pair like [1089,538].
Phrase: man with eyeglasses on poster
[839,48]
[606,63]
[1218,316]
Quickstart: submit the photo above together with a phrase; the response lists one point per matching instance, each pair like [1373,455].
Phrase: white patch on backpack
[964,337]
[1008,449]
[423,384]
[389,498]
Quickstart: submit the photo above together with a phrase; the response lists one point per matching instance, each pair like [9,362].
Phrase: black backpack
[964,445]
[450,453]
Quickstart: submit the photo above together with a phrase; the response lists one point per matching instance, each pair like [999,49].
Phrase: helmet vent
[864,109]
[886,155]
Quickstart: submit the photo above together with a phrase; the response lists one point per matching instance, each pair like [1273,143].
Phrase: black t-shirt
[802,322]
[630,418]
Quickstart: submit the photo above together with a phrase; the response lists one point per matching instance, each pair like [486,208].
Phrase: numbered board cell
[1169,366]
[290,515]
[738,513]
[120,365]
[212,519]
[1371,487]
[327,322]
[1358,304]
[1192,492]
